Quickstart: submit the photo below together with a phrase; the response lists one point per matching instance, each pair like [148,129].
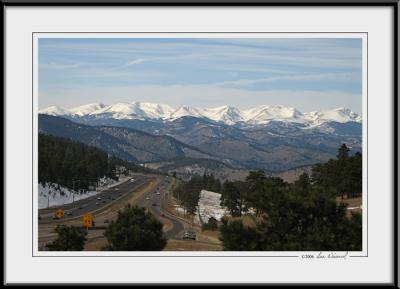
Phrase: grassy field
[188,245]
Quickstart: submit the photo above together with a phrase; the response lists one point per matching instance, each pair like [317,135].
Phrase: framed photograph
[198,143]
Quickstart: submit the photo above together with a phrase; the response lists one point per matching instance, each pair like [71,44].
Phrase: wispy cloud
[55,65]
[168,58]
[136,61]
[342,77]
[236,66]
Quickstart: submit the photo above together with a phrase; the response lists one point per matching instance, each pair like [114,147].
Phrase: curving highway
[155,200]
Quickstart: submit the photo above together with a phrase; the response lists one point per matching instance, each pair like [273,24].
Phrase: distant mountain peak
[226,114]
[86,109]
[55,111]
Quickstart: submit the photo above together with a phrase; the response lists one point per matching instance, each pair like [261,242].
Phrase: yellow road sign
[59,213]
[87,220]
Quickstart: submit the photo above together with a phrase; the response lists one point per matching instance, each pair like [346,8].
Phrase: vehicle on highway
[147,198]
[154,204]
[132,180]
[112,198]
[158,193]
[116,189]
[99,199]
[69,213]
[54,218]
[97,203]
[189,235]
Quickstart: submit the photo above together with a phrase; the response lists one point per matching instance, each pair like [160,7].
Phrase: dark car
[154,204]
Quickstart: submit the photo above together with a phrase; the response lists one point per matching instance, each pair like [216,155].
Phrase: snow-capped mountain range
[274,138]
[228,115]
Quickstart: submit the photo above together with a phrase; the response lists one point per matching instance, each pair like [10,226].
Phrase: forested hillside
[269,214]
[272,215]
[342,175]
[61,161]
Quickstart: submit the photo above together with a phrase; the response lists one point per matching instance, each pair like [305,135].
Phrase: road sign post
[73,191]
[87,220]
[59,214]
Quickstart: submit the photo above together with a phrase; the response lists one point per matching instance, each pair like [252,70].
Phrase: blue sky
[309,74]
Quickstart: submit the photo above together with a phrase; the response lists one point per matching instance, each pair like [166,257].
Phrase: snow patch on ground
[105,183]
[51,194]
[209,206]
[179,209]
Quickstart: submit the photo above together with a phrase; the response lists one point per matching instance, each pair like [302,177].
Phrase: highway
[143,190]
[155,200]
[148,191]
[115,199]
[92,204]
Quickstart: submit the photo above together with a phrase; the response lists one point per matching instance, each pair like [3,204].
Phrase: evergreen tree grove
[302,216]
[61,161]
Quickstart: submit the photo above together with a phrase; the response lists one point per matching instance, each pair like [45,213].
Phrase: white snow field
[209,206]
[51,194]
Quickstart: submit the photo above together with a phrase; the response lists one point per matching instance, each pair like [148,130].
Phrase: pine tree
[135,230]
[343,152]
[69,239]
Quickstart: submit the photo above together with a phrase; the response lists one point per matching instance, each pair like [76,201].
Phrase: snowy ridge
[135,110]
[86,109]
[265,113]
[55,111]
[339,115]
[226,114]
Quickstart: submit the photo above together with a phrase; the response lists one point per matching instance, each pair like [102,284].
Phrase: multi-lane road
[149,191]
[93,204]
[156,200]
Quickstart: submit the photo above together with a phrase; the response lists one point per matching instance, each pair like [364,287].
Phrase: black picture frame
[394,4]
